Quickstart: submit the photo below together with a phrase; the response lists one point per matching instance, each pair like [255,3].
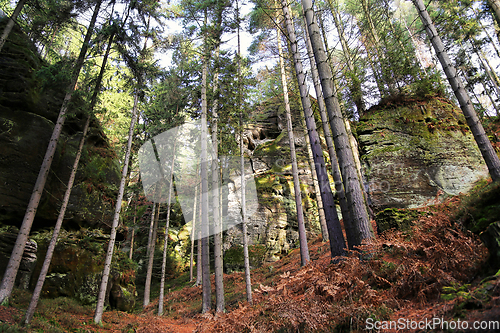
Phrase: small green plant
[456,290]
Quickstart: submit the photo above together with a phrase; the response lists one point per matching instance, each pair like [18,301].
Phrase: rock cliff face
[415,150]
[274,224]
[31,94]
[28,110]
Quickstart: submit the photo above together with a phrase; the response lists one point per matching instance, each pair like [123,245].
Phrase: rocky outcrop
[77,265]
[29,104]
[415,150]
[274,221]
[8,238]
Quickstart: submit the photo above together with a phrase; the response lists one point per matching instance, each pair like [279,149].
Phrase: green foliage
[56,76]
[430,85]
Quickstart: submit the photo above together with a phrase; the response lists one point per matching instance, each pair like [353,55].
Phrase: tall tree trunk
[339,187]
[193,229]
[352,186]
[9,277]
[151,254]
[50,250]
[337,242]
[132,239]
[165,241]
[304,250]
[10,24]
[489,155]
[317,189]
[218,265]
[109,254]
[246,257]
[199,272]
[205,228]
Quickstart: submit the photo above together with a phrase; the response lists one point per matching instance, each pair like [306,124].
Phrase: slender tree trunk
[109,254]
[200,259]
[489,155]
[149,271]
[164,261]
[246,257]
[317,189]
[337,242]
[219,269]
[205,228]
[193,228]
[486,65]
[339,187]
[352,185]
[304,251]
[132,241]
[9,277]
[50,250]
[10,24]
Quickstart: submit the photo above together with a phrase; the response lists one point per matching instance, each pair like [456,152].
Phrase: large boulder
[77,265]
[416,150]
[29,106]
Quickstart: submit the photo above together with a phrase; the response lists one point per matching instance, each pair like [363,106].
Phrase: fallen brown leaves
[399,270]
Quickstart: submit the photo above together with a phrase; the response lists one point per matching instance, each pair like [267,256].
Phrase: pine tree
[337,242]
[354,193]
[484,144]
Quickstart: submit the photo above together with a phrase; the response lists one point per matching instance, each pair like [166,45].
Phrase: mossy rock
[393,218]
[77,265]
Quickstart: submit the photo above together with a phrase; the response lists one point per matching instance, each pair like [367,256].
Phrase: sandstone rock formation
[28,109]
[415,150]
[274,224]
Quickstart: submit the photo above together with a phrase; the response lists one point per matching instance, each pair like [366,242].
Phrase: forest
[249,166]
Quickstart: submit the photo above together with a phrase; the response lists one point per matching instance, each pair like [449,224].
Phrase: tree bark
[487,151]
[151,253]
[353,191]
[337,242]
[317,189]
[193,228]
[109,254]
[9,277]
[304,251]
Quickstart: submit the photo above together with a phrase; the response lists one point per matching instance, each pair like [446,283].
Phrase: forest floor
[436,270]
